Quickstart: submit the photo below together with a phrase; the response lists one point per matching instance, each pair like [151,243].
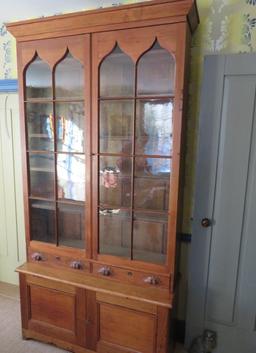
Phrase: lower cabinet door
[82,320]
[124,328]
[53,309]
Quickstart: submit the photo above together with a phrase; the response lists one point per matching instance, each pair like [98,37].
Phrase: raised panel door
[54,309]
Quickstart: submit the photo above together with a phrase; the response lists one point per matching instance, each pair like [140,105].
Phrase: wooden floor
[12,291]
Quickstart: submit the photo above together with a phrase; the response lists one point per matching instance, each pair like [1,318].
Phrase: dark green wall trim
[185,237]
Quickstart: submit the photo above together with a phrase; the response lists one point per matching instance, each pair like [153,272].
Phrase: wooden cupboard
[102,101]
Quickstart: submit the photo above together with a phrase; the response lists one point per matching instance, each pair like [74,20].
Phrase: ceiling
[14,10]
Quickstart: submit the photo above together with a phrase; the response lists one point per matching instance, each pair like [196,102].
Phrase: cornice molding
[125,16]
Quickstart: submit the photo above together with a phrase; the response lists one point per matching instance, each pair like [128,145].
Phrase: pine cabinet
[102,103]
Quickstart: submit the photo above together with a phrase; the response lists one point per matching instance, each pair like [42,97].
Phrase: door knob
[205,222]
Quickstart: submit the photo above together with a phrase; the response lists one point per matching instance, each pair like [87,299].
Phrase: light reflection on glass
[116,118]
[154,127]
[115,233]
[38,80]
[70,127]
[117,75]
[41,168]
[156,72]
[152,183]
[115,181]
[69,78]
[40,126]
[71,177]
[150,237]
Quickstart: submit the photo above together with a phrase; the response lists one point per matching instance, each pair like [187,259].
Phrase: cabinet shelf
[44,170]
[40,136]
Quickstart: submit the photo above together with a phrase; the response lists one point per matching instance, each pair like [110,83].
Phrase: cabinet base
[29,334]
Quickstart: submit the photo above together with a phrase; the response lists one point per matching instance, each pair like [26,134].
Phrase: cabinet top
[147,13]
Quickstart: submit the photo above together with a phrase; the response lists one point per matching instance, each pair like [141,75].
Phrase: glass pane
[38,80]
[156,71]
[115,181]
[116,125]
[115,232]
[42,216]
[152,183]
[69,78]
[150,237]
[71,176]
[71,225]
[117,75]
[154,127]
[40,126]
[42,175]
[70,127]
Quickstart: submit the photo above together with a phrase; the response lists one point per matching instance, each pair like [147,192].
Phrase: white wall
[14,10]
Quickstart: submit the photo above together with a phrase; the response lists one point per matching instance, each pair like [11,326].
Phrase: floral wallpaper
[226,26]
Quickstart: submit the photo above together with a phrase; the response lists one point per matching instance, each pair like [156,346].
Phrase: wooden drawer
[58,260]
[130,276]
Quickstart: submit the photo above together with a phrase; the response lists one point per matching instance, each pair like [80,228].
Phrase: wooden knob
[76,265]
[36,256]
[152,280]
[205,222]
[105,271]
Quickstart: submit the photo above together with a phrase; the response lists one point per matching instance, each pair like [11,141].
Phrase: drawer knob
[152,280]
[36,256]
[77,265]
[105,271]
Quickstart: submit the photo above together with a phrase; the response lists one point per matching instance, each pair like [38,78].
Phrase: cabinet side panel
[163,325]
[24,299]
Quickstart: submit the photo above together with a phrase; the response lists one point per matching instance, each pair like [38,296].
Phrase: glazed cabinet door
[137,107]
[55,101]
[53,310]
